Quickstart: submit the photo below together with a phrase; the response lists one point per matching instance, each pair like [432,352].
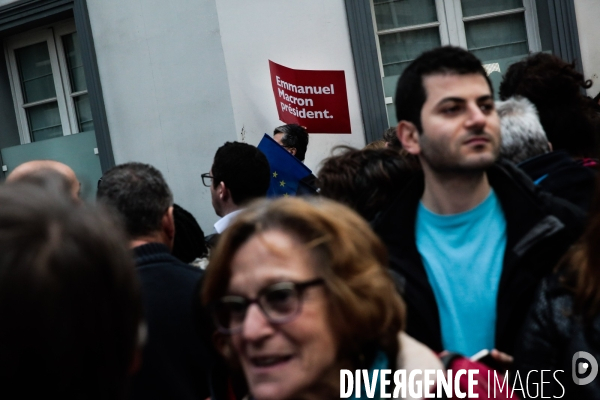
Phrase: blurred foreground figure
[471,235]
[565,320]
[70,307]
[36,170]
[174,359]
[524,142]
[299,290]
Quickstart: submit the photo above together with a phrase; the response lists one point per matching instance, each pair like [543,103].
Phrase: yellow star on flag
[286,195]
[275,174]
[282,183]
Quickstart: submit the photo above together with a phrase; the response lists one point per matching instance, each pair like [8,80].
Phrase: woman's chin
[272,391]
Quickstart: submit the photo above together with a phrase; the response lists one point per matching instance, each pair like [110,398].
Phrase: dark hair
[410,92]
[139,193]
[70,306]
[294,136]
[554,87]
[366,180]
[244,169]
[188,243]
[391,138]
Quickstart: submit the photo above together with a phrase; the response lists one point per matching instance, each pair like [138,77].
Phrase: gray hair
[523,136]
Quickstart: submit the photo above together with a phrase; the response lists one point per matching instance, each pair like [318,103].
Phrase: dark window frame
[565,40]
[24,15]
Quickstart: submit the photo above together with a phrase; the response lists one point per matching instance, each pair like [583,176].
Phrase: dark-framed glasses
[207,179]
[280,303]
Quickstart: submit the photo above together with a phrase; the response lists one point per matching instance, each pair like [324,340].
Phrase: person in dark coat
[524,142]
[565,321]
[175,359]
[471,235]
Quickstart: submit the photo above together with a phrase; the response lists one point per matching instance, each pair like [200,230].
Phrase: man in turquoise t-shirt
[471,236]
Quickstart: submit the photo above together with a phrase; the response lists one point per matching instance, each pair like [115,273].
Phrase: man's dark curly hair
[244,169]
[410,92]
[294,136]
[365,180]
[554,86]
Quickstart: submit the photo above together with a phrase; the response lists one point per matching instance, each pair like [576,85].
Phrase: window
[498,32]
[48,83]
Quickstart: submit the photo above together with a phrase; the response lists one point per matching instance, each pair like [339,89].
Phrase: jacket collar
[526,221]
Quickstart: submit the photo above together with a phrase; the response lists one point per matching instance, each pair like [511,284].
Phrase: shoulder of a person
[171,265]
[568,213]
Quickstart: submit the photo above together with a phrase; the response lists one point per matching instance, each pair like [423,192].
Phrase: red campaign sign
[314,99]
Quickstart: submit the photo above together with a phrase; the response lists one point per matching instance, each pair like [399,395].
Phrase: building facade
[98,82]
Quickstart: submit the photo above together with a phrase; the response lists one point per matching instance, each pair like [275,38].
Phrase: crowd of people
[471,225]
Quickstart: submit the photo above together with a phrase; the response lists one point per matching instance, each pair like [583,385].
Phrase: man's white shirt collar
[224,222]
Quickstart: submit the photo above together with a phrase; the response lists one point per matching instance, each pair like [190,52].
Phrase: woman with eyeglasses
[299,290]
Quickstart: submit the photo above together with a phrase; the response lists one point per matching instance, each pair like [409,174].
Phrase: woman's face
[281,360]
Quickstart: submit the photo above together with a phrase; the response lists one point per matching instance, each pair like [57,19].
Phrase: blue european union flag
[286,170]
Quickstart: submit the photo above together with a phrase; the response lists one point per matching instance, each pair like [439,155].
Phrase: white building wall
[307,34]
[165,89]
[587,13]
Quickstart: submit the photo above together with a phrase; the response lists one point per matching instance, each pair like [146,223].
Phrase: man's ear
[293,151]
[408,134]
[223,192]
[168,224]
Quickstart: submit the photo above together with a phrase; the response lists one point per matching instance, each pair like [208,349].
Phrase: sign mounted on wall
[315,99]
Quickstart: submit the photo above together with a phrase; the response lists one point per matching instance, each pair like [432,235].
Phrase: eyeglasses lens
[280,303]
[206,180]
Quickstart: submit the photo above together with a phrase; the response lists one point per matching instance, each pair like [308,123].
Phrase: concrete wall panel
[166,90]
[308,34]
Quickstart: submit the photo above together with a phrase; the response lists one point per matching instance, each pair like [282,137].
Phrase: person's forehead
[270,257]
[440,86]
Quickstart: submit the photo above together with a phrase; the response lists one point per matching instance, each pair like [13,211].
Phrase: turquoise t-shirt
[462,254]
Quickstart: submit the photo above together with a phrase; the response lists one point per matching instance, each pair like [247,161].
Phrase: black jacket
[562,176]
[552,334]
[174,360]
[540,228]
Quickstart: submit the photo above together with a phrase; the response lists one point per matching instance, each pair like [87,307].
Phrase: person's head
[365,180]
[391,139]
[240,173]
[70,308]
[319,274]
[38,169]
[554,87]
[523,136]
[188,244]
[141,197]
[445,108]
[293,138]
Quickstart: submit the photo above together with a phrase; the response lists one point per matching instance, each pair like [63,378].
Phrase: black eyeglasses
[280,303]
[207,178]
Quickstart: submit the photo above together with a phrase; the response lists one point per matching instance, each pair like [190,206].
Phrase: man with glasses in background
[240,173]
